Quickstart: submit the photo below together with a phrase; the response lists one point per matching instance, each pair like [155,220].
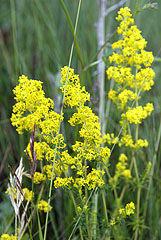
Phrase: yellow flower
[136,115]
[126,173]
[113,222]
[79,209]
[8,237]
[41,148]
[62,182]
[28,194]
[94,178]
[75,94]
[14,192]
[43,206]
[31,104]
[129,208]
[39,177]
[121,170]
[132,71]
[48,170]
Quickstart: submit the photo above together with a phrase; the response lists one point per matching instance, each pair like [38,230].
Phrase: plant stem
[61,114]
[101,72]
[72,29]
[101,64]
[75,206]
[86,195]
[149,190]
[104,205]
[137,175]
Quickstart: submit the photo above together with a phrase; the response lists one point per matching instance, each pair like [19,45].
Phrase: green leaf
[157,59]
[39,224]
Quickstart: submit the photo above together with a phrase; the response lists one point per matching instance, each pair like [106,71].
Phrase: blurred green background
[35,40]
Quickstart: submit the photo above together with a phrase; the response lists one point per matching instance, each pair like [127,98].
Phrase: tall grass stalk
[101,74]
[61,113]
[73,32]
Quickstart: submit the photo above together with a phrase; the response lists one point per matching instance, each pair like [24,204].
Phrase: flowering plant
[85,168]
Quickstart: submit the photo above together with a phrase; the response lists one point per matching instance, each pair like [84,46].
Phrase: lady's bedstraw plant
[83,171]
[34,111]
[133,75]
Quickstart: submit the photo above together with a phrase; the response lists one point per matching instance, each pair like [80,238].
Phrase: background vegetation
[35,40]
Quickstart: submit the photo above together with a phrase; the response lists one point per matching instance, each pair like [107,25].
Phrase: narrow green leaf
[39,224]
[72,29]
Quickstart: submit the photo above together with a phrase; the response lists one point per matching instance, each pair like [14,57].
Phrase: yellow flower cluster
[113,221]
[127,141]
[34,109]
[121,170]
[131,44]
[31,104]
[136,115]
[95,179]
[48,170]
[14,192]
[92,180]
[43,206]
[110,138]
[27,193]
[128,210]
[58,169]
[38,177]
[62,182]
[75,94]
[41,148]
[122,98]
[8,237]
[132,70]
[132,74]
[123,213]
[89,149]
[91,127]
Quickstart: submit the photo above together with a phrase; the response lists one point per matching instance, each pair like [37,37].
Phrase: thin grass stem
[61,114]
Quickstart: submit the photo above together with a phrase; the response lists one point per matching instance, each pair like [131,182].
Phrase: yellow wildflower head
[28,194]
[38,177]
[75,94]
[43,206]
[8,237]
[31,104]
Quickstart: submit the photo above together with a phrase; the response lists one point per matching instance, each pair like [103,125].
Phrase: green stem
[137,176]
[104,205]
[95,205]
[33,211]
[72,29]
[137,214]
[149,191]
[75,206]
[61,114]
[32,207]
[100,49]
[86,194]
[109,176]
[101,72]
